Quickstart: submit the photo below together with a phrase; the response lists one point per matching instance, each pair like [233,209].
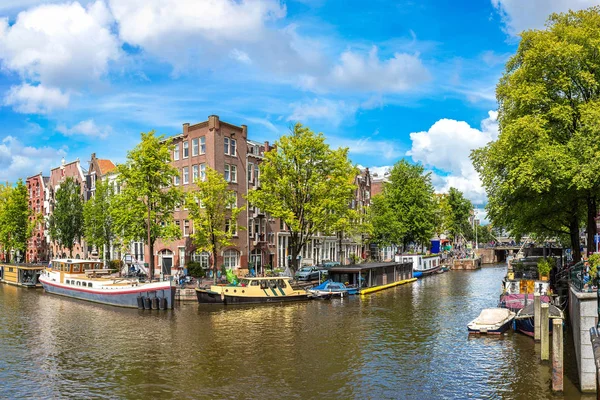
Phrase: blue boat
[417,274]
[330,287]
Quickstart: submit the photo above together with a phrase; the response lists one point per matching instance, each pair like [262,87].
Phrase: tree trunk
[340,251]
[574,235]
[214,264]
[591,223]
[294,260]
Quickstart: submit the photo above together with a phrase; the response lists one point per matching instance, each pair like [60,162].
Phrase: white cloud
[367,72]
[519,15]
[19,161]
[380,171]
[240,56]
[59,45]
[446,147]
[174,28]
[367,146]
[38,99]
[331,111]
[85,128]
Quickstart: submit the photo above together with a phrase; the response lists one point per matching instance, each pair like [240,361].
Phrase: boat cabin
[69,266]
[25,275]
[369,275]
[421,262]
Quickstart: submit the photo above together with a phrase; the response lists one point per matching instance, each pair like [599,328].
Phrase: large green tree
[460,209]
[306,184]
[405,212]
[539,174]
[144,208]
[66,220]
[213,210]
[16,226]
[98,220]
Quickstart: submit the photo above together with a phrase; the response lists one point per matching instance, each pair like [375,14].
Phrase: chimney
[244,131]
[93,156]
[186,128]
[213,122]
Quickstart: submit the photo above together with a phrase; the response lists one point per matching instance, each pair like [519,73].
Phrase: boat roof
[356,268]
[75,260]
[263,278]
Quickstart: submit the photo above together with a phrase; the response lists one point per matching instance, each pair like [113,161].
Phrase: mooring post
[545,337]
[557,355]
[537,314]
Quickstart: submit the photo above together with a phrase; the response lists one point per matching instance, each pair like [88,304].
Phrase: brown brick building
[223,147]
[38,244]
[58,176]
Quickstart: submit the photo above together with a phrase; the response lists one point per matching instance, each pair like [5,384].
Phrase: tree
[405,211]
[144,208]
[98,221]
[213,211]
[306,184]
[539,174]
[16,224]
[66,221]
[460,210]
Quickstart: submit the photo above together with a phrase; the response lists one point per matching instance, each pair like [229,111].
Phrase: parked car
[308,273]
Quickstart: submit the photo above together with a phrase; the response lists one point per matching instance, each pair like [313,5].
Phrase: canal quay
[409,342]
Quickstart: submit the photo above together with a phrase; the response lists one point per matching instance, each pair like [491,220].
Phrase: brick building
[223,147]
[38,244]
[58,176]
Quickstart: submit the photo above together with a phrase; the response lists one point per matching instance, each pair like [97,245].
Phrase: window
[231,258]
[186,150]
[176,180]
[226,142]
[195,147]
[202,258]
[186,228]
[194,173]
[250,171]
[256,175]
[186,175]
[202,145]
[176,152]
[232,146]
[229,145]
[203,172]
[231,226]
[231,173]
[232,202]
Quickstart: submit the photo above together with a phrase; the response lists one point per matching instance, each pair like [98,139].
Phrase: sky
[387,79]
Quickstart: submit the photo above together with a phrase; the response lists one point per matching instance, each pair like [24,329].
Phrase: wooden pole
[557,355]
[537,314]
[545,337]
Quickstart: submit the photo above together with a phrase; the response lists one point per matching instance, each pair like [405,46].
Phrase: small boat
[87,280]
[335,289]
[524,321]
[253,290]
[492,321]
[417,274]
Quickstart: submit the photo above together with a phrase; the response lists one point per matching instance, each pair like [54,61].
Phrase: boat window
[254,283]
[75,267]
[273,283]
[68,282]
[264,284]
[89,284]
[244,282]
[78,283]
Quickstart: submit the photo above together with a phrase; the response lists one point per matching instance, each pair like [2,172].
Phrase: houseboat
[24,275]
[372,277]
[87,280]
[521,282]
[253,290]
[423,265]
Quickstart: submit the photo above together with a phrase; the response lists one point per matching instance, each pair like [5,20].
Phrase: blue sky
[411,79]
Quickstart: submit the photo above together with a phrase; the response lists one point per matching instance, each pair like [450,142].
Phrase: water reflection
[408,342]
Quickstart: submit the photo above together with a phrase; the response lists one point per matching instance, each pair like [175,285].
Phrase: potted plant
[544,267]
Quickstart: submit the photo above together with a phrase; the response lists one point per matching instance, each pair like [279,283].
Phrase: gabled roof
[105,166]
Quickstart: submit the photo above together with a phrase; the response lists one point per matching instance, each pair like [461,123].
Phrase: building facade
[38,243]
[57,177]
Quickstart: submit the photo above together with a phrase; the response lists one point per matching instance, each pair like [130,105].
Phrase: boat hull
[493,331]
[209,297]
[121,298]
[526,326]
[425,272]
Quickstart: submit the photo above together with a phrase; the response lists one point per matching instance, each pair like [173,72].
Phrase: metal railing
[579,277]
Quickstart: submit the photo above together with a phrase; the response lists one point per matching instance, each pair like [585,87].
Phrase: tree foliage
[213,210]
[460,209]
[306,184]
[144,208]
[66,221]
[540,174]
[405,211]
[16,226]
[98,220]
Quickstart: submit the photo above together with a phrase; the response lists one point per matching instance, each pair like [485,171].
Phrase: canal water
[408,342]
